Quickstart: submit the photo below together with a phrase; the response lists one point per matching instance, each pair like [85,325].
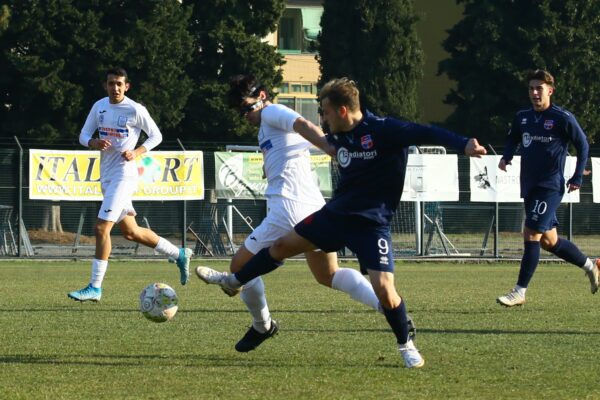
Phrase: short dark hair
[117,71]
[540,75]
[242,86]
[341,92]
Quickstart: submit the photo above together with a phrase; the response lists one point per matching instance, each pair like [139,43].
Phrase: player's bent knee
[547,244]
[388,298]
[278,249]
[129,236]
[101,230]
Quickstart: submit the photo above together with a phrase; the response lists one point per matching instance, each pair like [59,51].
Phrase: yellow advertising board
[75,175]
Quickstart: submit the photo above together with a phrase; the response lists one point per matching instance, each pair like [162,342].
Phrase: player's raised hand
[474,149]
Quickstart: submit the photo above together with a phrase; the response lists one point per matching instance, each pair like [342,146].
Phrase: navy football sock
[398,320]
[569,252]
[529,262]
[262,263]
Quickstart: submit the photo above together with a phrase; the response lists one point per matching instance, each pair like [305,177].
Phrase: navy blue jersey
[544,138]
[372,161]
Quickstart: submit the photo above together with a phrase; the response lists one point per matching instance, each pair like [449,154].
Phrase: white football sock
[357,286]
[98,270]
[253,294]
[521,290]
[165,247]
[589,265]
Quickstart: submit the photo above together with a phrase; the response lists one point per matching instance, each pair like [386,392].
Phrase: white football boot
[410,354]
[593,276]
[511,299]
[213,277]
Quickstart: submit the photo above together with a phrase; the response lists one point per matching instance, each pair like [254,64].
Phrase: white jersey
[121,124]
[286,157]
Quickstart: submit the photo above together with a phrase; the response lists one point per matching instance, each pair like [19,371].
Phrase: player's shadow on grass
[190,360]
[69,309]
[449,331]
[278,310]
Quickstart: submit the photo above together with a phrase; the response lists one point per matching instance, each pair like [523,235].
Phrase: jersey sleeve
[280,117]
[400,134]
[147,124]
[576,135]
[90,126]
[513,138]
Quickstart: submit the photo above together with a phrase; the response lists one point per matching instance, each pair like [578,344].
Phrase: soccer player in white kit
[119,121]
[285,138]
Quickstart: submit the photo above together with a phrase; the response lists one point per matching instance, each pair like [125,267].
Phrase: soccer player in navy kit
[372,153]
[544,132]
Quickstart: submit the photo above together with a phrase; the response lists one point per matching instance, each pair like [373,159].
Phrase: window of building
[307,107]
[298,30]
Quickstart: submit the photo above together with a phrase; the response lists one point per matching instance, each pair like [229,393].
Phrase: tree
[375,43]
[54,54]
[4,18]
[228,43]
[495,44]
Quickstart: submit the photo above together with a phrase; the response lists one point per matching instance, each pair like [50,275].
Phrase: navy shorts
[370,241]
[540,209]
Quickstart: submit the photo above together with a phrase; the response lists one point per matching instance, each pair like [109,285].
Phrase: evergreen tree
[4,17]
[228,37]
[375,43]
[495,45]
[54,54]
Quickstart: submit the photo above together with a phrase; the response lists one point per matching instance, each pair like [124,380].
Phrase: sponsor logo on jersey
[113,132]
[523,121]
[344,157]
[366,142]
[384,260]
[266,145]
[548,124]
[528,139]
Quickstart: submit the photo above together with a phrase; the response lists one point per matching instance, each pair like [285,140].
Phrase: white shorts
[282,216]
[117,199]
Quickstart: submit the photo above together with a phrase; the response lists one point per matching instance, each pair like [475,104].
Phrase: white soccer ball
[158,302]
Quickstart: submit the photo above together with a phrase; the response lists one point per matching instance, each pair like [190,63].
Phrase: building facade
[296,36]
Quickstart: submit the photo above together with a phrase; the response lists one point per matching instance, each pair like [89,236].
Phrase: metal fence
[447,229]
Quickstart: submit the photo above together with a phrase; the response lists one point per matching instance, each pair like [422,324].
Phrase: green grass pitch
[329,347]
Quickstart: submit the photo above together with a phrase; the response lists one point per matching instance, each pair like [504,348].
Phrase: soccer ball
[158,302]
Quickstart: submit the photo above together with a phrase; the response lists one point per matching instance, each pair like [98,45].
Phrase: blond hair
[341,92]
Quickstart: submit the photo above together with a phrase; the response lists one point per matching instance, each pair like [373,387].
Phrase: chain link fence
[464,229]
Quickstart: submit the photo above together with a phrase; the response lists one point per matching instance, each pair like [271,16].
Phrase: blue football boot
[88,293]
[183,263]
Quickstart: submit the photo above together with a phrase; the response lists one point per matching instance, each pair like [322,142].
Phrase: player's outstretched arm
[474,149]
[313,134]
